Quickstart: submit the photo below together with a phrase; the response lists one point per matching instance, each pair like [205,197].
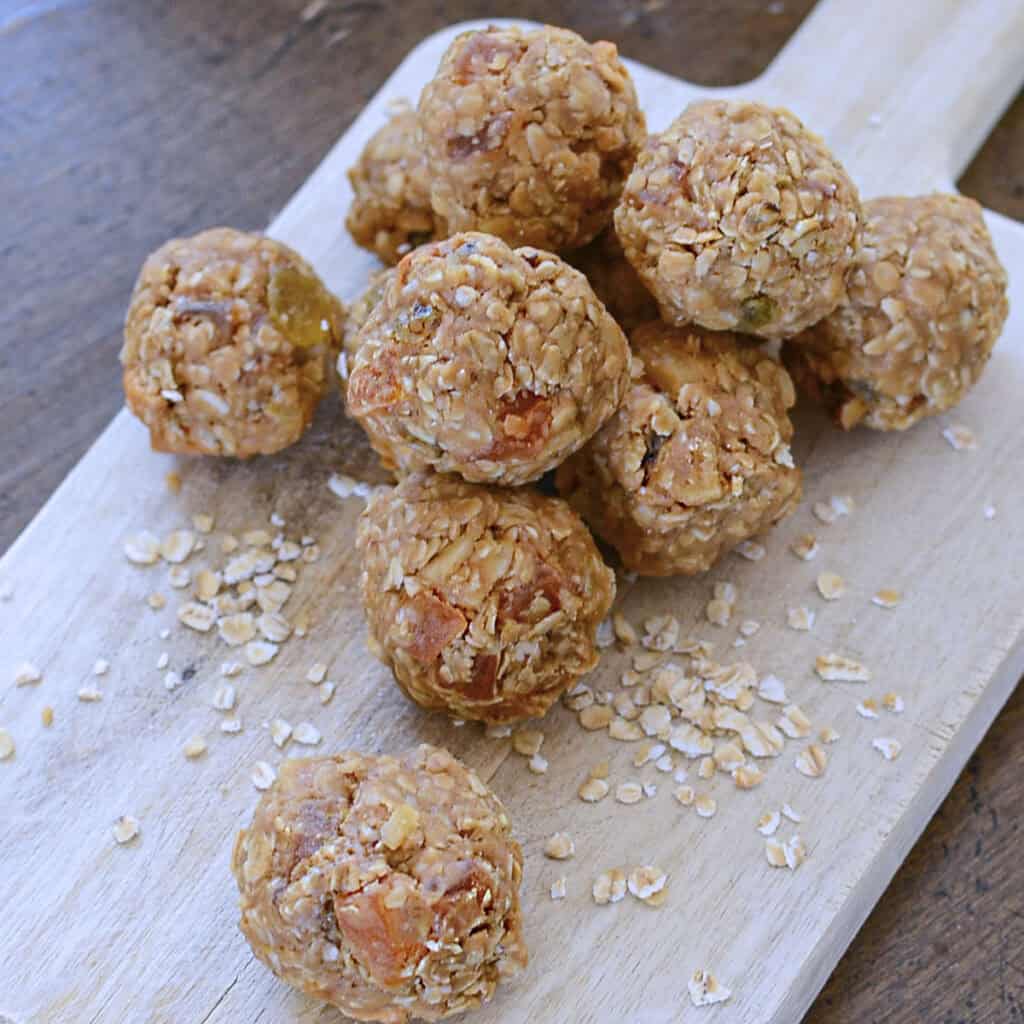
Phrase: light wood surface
[96,932]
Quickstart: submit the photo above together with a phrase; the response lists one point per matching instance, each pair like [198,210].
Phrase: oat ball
[484,602]
[738,218]
[385,886]
[926,300]
[390,212]
[228,344]
[697,458]
[529,135]
[614,280]
[487,361]
[358,313]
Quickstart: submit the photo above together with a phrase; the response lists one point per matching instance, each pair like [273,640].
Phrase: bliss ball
[358,313]
[614,280]
[385,886]
[390,213]
[490,362]
[529,135]
[228,344]
[483,601]
[925,302]
[696,460]
[738,218]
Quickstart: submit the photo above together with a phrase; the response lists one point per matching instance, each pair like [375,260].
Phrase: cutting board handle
[913,87]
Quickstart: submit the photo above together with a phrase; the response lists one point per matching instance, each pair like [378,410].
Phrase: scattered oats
[231,724]
[831,586]
[887,747]
[177,546]
[256,538]
[605,636]
[46,714]
[100,667]
[739,642]
[171,680]
[644,661]
[228,544]
[868,708]
[726,591]
[289,551]
[194,748]
[317,673]
[260,652]
[89,694]
[705,806]
[559,846]
[621,729]
[824,512]
[262,775]
[629,792]
[596,717]
[680,774]
[156,601]
[718,612]
[126,828]
[202,523]
[164,633]
[228,669]
[326,691]
[842,504]
[207,584]
[805,546]
[812,761]
[960,438]
[750,550]
[656,720]
[276,519]
[705,989]
[887,598]
[26,674]
[199,617]
[689,740]
[224,697]
[772,689]
[307,734]
[178,576]
[828,734]
[624,631]
[794,816]
[173,482]
[989,512]
[650,790]
[236,630]
[558,888]
[747,776]
[685,795]
[341,485]
[661,632]
[748,627]
[609,886]
[527,741]
[645,881]
[142,549]
[728,756]
[664,764]
[311,553]
[768,823]
[894,703]
[593,790]
[794,723]
[498,732]
[800,618]
[538,764]
[6,745]
[795,852]
[836,668]
[274,626]
[775,852]
[600,770]
[280,732]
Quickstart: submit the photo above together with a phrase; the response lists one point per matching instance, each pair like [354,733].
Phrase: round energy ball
[926,300]
[358,313]
[697,458]
[385,886]
[228,344]
[390,212]
[484,602]
[491,362]
[614,280]
[738,218]
[529,135]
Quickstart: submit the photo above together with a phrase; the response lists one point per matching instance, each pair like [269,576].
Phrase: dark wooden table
[124,122]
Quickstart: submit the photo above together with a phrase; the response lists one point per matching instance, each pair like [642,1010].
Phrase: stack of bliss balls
[528,222]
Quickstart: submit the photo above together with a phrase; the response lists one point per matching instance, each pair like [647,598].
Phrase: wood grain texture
[92,747]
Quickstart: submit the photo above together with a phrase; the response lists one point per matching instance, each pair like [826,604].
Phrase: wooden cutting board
[96,932]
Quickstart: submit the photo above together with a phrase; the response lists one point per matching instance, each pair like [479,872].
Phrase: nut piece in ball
[614,280]
[485,602]
[529,135]
[697,458]
[491,362]
[228,344]
[390,212]
[738,218]
[926,300]
[387,887]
